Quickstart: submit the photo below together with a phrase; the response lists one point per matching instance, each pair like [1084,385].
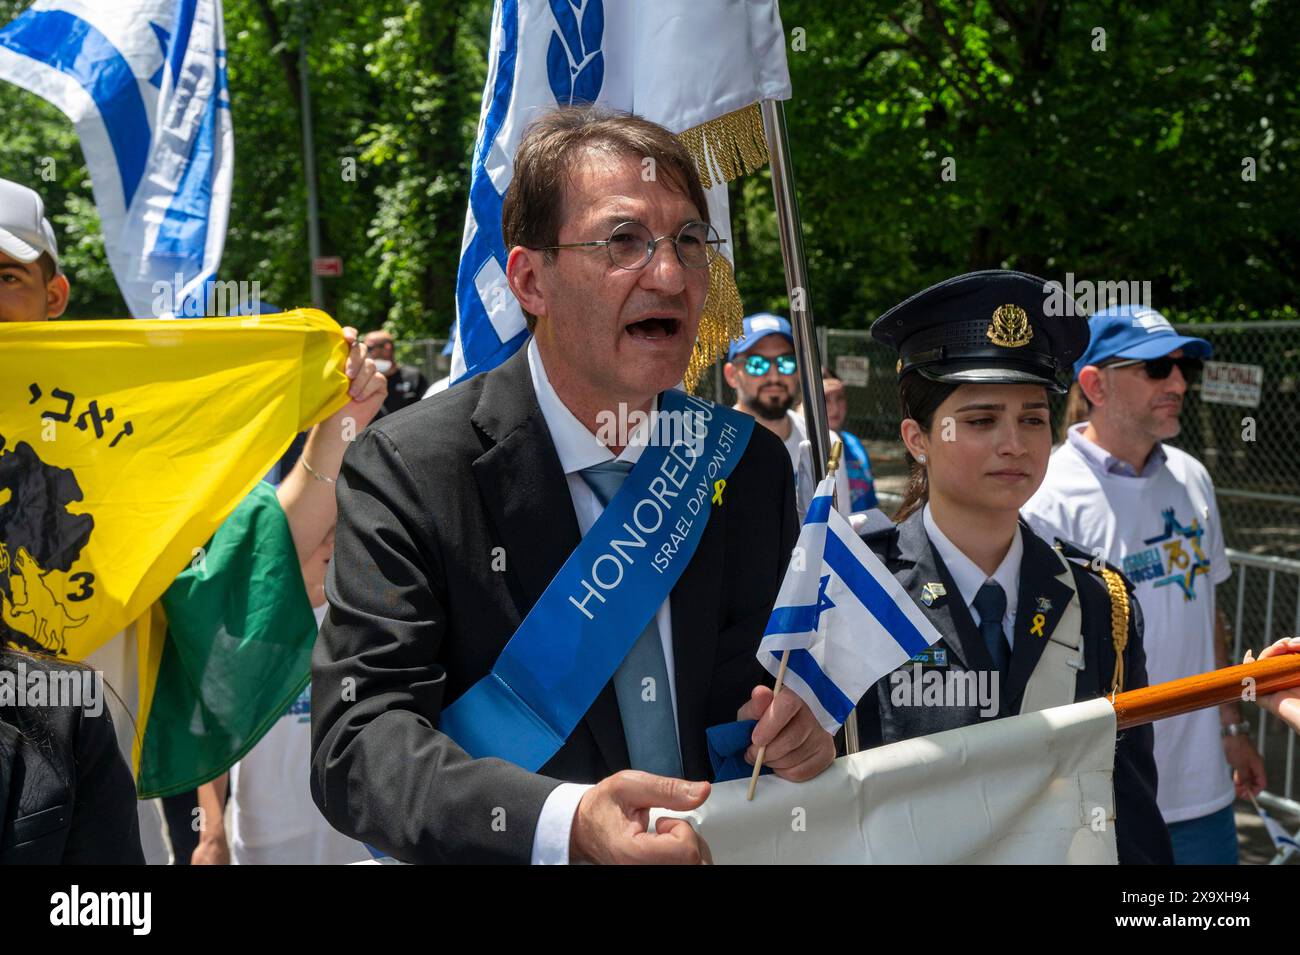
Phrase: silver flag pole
[801,319]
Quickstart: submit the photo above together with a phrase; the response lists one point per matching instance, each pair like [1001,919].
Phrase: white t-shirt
[273,820]
[1163,530]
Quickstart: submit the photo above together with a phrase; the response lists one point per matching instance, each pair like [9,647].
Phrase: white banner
[1028,789]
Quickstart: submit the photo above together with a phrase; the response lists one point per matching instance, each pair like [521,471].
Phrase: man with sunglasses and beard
[762,369]
[1115,489]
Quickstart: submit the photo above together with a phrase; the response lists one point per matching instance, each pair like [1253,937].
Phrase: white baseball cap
[25,233]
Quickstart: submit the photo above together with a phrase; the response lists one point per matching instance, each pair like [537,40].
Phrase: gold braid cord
[1118,624]
[723,149]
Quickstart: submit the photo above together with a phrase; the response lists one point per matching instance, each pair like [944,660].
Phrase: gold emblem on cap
[1010,327]
[898,369]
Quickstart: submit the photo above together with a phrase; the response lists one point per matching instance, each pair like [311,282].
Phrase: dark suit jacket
[430,498]
[1140,831]
[66,795]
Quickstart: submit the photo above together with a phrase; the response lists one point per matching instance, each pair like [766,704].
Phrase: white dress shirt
[969,578]
[577,449]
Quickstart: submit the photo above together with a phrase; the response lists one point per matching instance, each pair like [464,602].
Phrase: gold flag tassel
[723,149]
[729,146]
[720,324]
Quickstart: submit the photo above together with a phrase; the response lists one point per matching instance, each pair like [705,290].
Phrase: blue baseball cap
[757,327]
[1135,331]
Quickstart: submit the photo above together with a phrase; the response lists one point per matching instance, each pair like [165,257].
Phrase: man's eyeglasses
[1158,369]
[757,365]
[631,246]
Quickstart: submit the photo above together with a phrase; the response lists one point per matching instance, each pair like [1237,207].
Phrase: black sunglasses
[1158,369]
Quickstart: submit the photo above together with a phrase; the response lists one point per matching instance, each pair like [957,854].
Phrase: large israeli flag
[698,68]
[845,619]
[144,81]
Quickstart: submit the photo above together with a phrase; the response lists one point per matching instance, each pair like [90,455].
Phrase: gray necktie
[646,707]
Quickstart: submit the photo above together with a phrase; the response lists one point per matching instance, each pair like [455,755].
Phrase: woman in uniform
[1043,626]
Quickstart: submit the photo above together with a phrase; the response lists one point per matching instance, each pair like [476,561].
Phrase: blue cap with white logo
[1135,331]
[757,327]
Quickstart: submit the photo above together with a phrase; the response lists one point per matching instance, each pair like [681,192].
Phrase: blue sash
[595,608]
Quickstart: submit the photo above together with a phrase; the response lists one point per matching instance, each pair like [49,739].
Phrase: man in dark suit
[891,711]
[456,513]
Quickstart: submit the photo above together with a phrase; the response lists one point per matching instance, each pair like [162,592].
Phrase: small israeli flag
[144,81]
[845,619]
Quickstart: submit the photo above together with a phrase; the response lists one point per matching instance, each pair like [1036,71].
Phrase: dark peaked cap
[985,327]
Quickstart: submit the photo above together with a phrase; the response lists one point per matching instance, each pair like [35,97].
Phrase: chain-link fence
[425,354]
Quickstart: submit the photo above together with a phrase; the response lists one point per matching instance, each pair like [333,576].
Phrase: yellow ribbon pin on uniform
[718,487]
[1039,622]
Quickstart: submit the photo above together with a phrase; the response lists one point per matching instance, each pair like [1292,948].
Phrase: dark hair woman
[977,359]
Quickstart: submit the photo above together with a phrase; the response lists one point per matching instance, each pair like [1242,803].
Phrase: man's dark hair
[48,268]
[549,154]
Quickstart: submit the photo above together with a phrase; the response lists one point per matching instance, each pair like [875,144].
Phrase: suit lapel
[1042,592]
[695,619]
[948,612]
[526,495]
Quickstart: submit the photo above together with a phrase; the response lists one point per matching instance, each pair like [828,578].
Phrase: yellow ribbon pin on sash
[718,487]
[1037,628]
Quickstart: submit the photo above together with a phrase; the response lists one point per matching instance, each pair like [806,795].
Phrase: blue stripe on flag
[873,596]
[72,46]
[480,346]
[829,695]
[819,511]
[793,619]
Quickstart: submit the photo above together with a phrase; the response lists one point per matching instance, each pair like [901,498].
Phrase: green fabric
[238,650]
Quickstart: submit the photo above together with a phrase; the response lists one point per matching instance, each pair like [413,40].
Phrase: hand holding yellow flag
[125,444]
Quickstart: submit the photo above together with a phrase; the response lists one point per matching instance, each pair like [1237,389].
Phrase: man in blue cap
[764,371]
[1115,489]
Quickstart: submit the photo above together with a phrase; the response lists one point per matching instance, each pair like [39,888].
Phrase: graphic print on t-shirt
[1172,558]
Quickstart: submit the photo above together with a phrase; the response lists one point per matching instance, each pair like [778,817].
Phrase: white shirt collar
[576,446]
[1105,462]
[966,575]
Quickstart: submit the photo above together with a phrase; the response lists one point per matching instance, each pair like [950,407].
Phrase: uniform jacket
[1141,834]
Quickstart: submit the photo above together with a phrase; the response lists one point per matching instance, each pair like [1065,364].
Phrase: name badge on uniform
[932,657]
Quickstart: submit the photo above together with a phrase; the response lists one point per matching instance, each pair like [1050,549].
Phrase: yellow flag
[124,444]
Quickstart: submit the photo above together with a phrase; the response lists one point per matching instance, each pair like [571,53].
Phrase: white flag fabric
[144,82]
[681,63]
[845,619]
[1282,840]
[1030,789]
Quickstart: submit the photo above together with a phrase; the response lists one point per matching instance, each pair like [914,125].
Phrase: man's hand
[1247,766]
[613,816]
[367,387]
[1284,704]
[211,852]
[797,747]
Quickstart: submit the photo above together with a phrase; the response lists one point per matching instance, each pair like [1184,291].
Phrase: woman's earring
[920,458]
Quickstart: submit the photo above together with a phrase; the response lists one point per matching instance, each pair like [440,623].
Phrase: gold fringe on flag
[720,324]
[729,146]
[723,149]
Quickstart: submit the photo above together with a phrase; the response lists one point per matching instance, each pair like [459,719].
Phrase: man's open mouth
[654,329]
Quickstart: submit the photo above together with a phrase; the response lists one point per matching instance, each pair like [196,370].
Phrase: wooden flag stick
[831,466]
[1248,681]
[762,750]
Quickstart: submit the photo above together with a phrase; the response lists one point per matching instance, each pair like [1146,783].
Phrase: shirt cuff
[551,838]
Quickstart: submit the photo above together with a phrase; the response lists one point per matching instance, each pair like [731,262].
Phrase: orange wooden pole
[1206,689]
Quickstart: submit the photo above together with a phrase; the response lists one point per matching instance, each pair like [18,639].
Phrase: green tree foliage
[1107,139]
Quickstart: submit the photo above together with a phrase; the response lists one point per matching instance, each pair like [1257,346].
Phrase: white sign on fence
[1227,383]
[853,369]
